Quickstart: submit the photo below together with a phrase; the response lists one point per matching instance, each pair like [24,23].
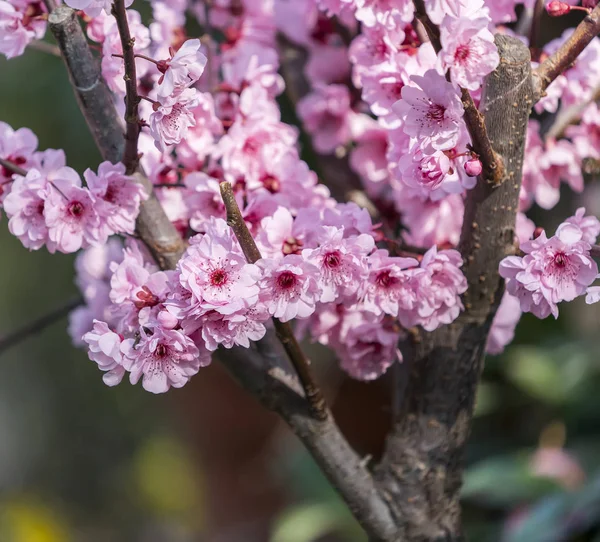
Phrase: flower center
[332,259]
[385,280]
[560,260]
[161,351]
[218,277]
[286,280]
[292,246]
[462,53]
[271,183]
[75,209]
[436,113]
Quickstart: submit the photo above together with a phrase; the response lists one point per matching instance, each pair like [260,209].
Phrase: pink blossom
[468,50]
[432,110]
[473,167]
[326,114]
[424,169]
[592,295]
[589,225]
[170,122]
[502,331]
[214,271]
[21,21]
[368,350]
[552,270]
[18,147]
[342,263]
[289,287]
[94,7]
[368,159]
[24,206]
[182,70]
[163,358]
[439,288]
[70,214]
[104,347]
[390,284]
[117,197]
[129,274]
[235,329]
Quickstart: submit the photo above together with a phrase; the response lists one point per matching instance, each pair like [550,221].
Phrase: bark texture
[421,471]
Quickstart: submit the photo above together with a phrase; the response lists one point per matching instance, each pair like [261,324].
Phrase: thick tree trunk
[421,471]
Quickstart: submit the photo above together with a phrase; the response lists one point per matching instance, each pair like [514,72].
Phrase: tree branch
[44,47]
[534,31]
[562,59]
[96,104]
[132,100]
[283,329]
[421,471]
[493,168]
[38,325]
[261,370]
[8,165]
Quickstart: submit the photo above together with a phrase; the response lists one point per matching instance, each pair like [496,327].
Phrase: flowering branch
[7,164]
[493,167]
[421,469]
[562,59]
[38,325]
[132,100]
[283,329]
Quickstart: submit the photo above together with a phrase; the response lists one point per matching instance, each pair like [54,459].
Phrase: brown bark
[421,471]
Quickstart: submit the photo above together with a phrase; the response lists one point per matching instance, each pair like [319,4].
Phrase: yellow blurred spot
[168,481]
[29,521]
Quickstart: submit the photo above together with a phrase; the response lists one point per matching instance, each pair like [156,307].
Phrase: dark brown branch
[14,168]
[421,470]
[493,168]
[534,31]
[285,334]
[595,251]
[562,59]
[132,100]
[38,325]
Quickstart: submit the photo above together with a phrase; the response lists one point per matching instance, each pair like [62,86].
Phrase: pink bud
[167,320]
[537,232]
[473,167]
[556,8]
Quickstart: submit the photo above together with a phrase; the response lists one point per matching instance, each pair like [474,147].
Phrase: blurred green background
[83,462]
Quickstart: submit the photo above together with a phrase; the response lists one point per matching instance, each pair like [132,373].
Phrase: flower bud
[167,320]
[473,167]
[557,9]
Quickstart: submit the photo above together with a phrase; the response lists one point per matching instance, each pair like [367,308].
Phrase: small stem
[50,5]
[153,102]
[562,59]
[137,55]
[7,164]
[44,47]
[169,185]
[534,31]
[39,324]
[493,168]
[130,153]
[284,330]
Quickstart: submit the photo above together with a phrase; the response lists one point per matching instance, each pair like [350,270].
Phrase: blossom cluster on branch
[380,95]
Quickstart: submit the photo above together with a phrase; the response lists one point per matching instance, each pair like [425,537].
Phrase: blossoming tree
[203,228]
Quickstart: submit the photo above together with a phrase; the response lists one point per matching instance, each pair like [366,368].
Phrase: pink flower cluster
[49,206]
[555,269]
[372,92]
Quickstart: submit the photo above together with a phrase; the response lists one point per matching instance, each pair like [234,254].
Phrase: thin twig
[568,52]
[569,116]
[284,330]
[132,100]
[493,168]
[7,164]
[38,325]
[595,251]
[534,31]
[44,47]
